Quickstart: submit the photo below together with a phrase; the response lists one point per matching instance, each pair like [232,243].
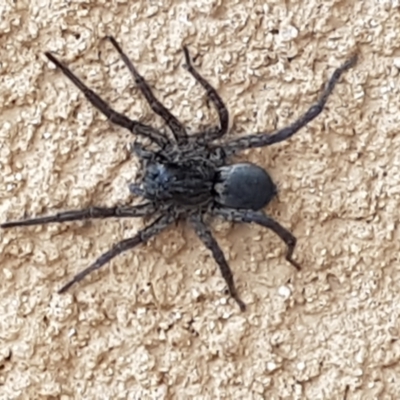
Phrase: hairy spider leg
[176,127]
[117,118]
[141,237]
[140,210]
[265,139]
[214,97]
[143,153]
[346,392]
[209,241]
[260,218]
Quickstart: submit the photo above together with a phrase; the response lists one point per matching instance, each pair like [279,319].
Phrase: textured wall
[156,322]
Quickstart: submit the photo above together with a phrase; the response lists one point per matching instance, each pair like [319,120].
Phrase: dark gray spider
[190,176]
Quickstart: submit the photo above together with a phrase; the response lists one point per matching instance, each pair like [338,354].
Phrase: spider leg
[176,127]
[142,153]
[265,139]
[213,96]
[117,118]
[209,241]
[141,237]
[86,213]
[260,218]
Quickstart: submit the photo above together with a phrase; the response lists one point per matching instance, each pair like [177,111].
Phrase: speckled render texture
[156,322]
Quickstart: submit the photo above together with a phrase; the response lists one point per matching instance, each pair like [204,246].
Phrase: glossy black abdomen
[244,186]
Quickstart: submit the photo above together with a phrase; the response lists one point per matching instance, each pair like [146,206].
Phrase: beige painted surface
[156,322]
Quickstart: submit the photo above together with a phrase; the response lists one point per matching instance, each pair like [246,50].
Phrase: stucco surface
[156,322]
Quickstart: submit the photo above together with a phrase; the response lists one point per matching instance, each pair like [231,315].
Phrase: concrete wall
[156,322]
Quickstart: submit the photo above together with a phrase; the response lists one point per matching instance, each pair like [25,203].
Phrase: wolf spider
[189,176]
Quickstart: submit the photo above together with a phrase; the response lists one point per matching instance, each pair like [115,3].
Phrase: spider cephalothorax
[189,176]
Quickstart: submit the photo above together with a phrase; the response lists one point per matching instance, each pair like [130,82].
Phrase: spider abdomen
[244,186]
[190,183]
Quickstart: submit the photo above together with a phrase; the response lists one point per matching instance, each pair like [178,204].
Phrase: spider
[187,177]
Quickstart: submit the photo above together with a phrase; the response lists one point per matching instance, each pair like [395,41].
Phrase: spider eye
[159,173]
